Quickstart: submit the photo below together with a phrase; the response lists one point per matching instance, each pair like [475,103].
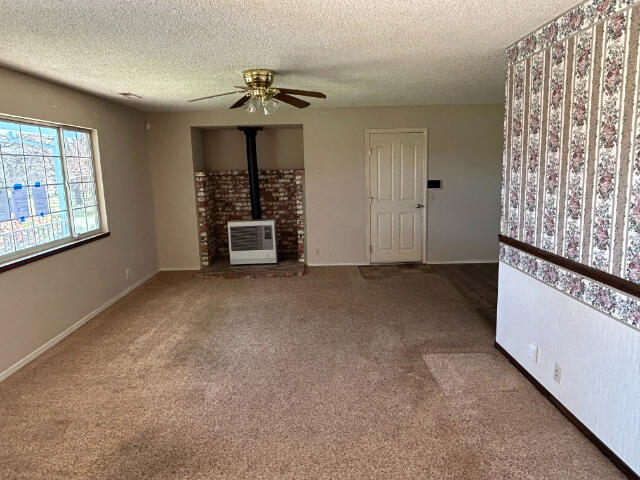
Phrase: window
[48,194]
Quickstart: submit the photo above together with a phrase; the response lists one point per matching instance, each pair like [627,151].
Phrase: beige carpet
[328,375]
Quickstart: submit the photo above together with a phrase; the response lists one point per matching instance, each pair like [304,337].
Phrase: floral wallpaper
[581,17]
[553,165]
[571,169]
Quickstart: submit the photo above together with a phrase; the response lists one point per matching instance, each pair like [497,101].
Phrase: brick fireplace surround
[224,196]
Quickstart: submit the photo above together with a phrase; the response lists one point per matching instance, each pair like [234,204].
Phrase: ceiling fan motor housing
[258,78]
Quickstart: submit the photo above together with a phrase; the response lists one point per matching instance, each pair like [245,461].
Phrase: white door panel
[396,188]
[407,231]
[384,231]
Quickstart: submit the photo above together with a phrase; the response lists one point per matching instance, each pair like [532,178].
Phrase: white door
[396,189]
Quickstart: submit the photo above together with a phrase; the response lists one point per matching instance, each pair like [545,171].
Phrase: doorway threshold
[392,270]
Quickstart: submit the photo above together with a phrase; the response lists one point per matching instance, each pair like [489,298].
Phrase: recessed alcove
[222,186]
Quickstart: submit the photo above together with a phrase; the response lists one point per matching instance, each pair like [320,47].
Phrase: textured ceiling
[359,52]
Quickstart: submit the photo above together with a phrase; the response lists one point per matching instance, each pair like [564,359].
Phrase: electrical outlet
[126,273]
[557,373]
[533,352]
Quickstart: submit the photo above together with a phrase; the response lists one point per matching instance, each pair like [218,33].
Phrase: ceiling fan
[259,94]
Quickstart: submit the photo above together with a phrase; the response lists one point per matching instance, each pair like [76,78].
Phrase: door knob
[419,205]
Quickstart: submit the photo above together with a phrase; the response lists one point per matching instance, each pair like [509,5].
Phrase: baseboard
[453,262]
[364,264]
[178,269]
[617,461]
[40,350]
[347,264]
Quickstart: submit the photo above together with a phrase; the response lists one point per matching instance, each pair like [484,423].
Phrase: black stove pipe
[252,164]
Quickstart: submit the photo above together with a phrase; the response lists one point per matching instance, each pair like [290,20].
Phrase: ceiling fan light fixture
[251,105]
[270,105]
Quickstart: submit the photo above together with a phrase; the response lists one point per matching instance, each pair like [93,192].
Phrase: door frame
[367,199]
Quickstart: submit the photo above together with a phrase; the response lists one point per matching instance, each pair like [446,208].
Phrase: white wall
[599,356]
[276,148]
[40,300]
[197,149]
[465,152]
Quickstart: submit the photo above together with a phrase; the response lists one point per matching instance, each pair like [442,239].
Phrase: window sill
[50,252]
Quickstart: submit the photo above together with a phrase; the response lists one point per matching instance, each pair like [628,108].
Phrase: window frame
[30,254]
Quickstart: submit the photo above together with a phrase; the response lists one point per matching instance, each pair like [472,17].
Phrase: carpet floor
[328,375]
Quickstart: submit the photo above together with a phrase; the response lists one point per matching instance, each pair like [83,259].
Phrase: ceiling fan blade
[213,96]
[241,102]
[304,93]
[296,102]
